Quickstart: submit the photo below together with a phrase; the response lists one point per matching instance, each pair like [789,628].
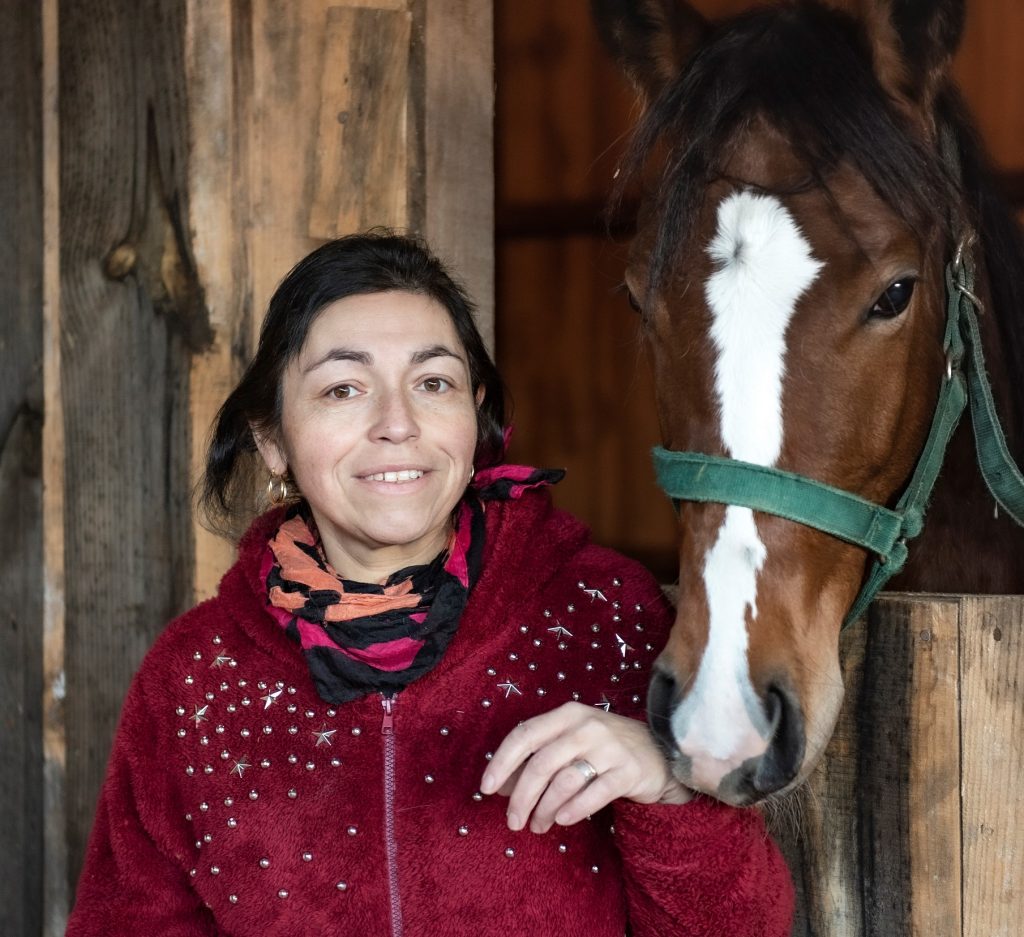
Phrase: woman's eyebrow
[340,354]
[434,351]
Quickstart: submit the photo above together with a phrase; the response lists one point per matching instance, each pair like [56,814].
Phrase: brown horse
[806,175]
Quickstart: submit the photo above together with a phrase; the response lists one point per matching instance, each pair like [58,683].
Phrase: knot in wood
[120,261]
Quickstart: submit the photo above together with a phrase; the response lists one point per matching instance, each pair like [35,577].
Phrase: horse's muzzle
[738,778]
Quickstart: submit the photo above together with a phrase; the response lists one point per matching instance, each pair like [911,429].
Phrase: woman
[411,635]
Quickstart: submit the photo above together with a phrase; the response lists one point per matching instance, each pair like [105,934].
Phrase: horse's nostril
[661,697]
[782,761]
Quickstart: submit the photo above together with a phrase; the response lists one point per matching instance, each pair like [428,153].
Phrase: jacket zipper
[387,729]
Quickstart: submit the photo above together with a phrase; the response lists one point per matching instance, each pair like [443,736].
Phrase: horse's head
[788,270]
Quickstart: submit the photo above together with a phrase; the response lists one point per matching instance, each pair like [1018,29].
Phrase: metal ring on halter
[277,489]
[966,242]
[978,304]
[949,365]
[585,768]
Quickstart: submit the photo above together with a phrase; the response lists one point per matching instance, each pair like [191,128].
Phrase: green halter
[694,476]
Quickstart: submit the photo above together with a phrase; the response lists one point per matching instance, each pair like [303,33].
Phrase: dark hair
[373,262]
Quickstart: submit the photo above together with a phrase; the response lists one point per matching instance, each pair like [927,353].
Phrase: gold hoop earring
[277,489]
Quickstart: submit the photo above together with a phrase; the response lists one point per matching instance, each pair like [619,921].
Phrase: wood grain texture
[218,69]
[21,518]
[131,312]
[993,765]
[456,105]
[875,849]
[361,155]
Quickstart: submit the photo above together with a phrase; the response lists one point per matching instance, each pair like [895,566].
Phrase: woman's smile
[378,429]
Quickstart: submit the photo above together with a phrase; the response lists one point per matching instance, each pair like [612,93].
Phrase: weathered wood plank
[218,69]
[131,311]
[21,528]
[361,174]
[457,109]
[993,764]
[875,851]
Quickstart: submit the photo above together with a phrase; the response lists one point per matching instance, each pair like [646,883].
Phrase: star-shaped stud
[624,648]
[604,704]
[509,687]
[200,714]
[221,660]
[239,766]
[324,736]
[595,594]
[270,698]
[559,631]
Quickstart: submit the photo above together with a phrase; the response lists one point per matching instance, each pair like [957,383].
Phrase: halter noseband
[884,532]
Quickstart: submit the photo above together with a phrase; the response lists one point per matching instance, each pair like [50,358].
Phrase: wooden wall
[567,342]
[910,825]
[167,162]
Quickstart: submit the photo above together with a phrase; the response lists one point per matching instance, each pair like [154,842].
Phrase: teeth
[406,475]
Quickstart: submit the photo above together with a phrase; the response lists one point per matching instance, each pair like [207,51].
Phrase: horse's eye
[632,300]
[894,300]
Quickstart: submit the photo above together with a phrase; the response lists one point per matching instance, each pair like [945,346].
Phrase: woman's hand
[543,766]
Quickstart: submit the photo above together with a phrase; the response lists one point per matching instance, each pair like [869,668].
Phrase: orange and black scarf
[360,638]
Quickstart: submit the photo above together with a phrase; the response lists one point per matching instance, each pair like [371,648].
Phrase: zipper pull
[387,727]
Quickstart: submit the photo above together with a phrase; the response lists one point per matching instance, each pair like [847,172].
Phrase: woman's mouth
[395,478]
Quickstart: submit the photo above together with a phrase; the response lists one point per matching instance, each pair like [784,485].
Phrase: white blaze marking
[763,266]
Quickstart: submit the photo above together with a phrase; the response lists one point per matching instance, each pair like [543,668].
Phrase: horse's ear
[650,39]
[914,44]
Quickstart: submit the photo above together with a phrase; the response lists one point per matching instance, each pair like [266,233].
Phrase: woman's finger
[565,786]
[525,739]
[539,773]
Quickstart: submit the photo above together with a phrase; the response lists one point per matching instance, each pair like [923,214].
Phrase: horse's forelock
[808,71]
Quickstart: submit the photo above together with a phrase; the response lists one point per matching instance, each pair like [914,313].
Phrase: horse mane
[807,70]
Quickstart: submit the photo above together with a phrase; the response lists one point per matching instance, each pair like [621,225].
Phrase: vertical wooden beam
[131,315]
[218,75]
[993,765]
[21,522]
[458,140]
[876,850]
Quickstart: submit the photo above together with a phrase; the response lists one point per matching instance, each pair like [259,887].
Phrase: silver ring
[585,768]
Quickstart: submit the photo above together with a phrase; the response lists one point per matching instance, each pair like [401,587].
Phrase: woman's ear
[479,396]
[271,451]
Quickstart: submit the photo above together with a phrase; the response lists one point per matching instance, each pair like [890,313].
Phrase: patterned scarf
[360,638]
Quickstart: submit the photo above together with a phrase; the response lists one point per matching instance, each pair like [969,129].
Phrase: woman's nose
[396,418]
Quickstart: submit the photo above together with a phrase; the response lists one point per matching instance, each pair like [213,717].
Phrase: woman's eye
[343,391]
[435,385]
[894,300]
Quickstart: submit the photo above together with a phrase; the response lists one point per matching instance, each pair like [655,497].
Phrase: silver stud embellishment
[307,857]
[253,795]
[463,831]
[232,823]
[445,730]
[324,736]
[181,733]
[264,863]
[595,594]
[562,848]
[180,710]
[429,778]
[342,886]
[560,631]
[510,852]
[240,767]
[352,831]
[270,698]
[233,899]
[509,687]
[355,730]
[293,793]
[215,870]
[200,714]
[283,893]
[486,703]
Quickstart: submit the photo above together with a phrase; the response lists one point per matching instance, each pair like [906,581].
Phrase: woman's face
[378,429]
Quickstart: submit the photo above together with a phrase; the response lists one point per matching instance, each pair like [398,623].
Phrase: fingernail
[514,823]
[562,819]
[487,785]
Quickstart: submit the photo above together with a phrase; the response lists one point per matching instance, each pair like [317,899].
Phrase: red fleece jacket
[239,803]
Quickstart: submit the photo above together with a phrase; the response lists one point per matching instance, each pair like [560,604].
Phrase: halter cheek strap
[883,532]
